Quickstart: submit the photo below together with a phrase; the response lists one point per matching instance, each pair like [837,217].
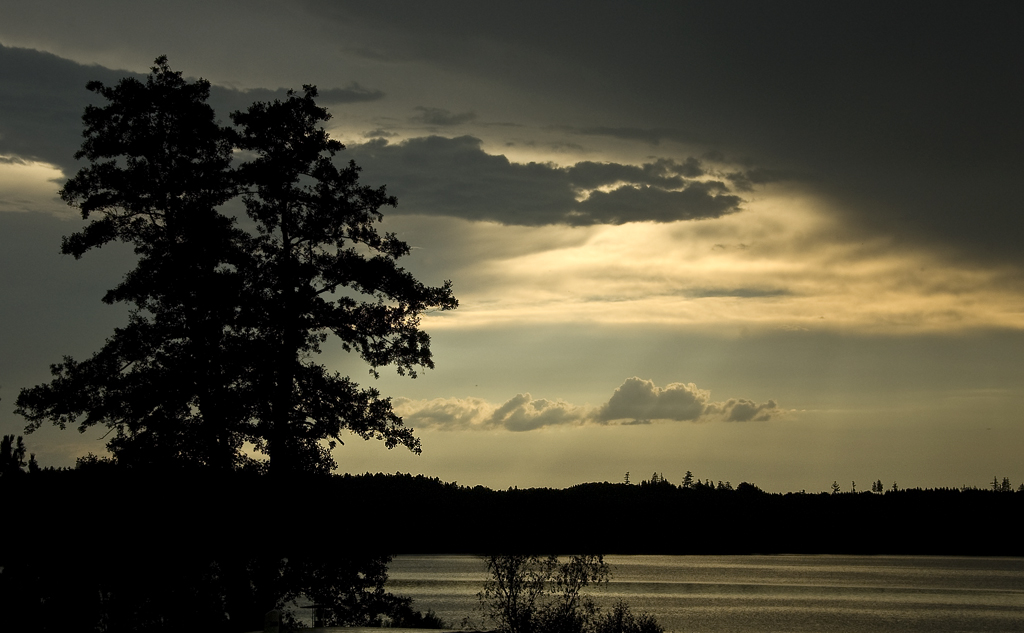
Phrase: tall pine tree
[225,323]
[321,267]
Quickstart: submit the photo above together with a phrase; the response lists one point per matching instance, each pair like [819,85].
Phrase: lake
[746,594]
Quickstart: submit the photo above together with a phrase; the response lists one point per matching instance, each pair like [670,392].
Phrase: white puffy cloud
[742,410]
[520,413]
[639,399]
[636,401]
[523,413]
[447,413]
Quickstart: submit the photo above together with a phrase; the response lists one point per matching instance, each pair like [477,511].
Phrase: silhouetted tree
[320,266]
[569,609]
[348,591]
[622,620]
[12,456]
[535,594]
[748,488]
[224,322]
[158,171]
[511,594]
[688,480]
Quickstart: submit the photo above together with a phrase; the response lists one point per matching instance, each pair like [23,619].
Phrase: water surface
[746,594]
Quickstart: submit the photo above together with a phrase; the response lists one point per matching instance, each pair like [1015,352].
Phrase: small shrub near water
[621,620]
[534,594]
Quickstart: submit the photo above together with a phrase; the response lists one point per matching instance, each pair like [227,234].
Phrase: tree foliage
[158,172]
[537,594]
[12,456]
[621,619]
[511,594]
[227,315]
[316,235]
[176,590]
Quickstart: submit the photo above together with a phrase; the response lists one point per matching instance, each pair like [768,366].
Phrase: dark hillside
[192,511]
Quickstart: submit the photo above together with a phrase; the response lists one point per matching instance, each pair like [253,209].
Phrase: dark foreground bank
[114,549]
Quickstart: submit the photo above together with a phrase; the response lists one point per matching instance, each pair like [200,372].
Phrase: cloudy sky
[777,244]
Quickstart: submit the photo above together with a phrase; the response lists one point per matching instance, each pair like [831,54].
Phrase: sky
[767,242]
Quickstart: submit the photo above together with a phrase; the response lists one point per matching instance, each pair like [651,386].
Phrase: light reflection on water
[743,594]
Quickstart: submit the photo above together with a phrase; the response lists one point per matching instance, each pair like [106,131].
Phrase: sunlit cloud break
[636,401]
[784,263]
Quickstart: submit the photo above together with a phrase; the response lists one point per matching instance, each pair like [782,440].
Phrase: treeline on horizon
[404,514]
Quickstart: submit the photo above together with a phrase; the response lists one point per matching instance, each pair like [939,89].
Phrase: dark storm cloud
[226,100]
[746,180]
[378,133]
[441,176]
[640,203]
[353,93]
[455,177]
[652,136]
[691,168]
[665,173]
[42,98]
[441,117]
[906,116]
